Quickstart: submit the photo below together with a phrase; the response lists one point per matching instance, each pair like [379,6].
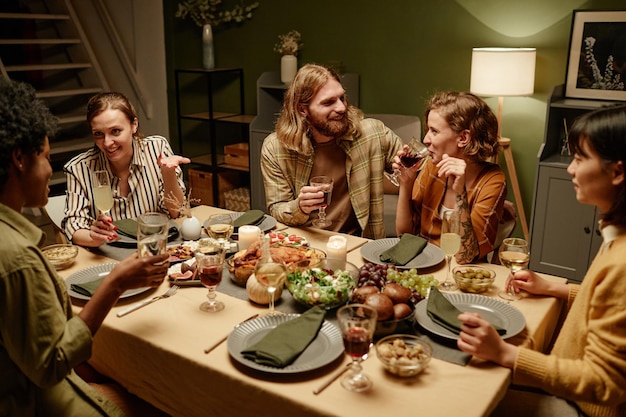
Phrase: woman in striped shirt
[143,171]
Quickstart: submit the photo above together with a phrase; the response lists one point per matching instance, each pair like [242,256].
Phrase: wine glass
[220,227]
[210,265]
[102,193]
[325,184]
[357,323]
[450,244]
[515,255]
[416,155]
[271,272]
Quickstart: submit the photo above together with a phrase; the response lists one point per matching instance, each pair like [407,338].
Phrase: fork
[144,303]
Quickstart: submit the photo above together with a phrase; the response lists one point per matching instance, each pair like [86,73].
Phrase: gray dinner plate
[491,309]
[94,273]
[324,349]
[431,255]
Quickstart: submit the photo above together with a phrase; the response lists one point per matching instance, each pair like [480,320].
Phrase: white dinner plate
[267,224]
[324,349]
[491,309]
[94,273]
[431,255]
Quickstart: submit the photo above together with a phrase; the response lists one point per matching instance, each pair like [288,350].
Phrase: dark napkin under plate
[444,313]
[406,249]
[253,217]
[87,288]
[284,343]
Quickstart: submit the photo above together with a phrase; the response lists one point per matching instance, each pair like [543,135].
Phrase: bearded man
[319,133]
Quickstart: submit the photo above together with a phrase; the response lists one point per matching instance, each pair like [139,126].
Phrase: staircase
[43,43]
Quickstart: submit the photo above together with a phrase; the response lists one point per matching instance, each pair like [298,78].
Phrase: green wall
[404,50]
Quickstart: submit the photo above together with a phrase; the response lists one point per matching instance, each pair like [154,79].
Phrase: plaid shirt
[367,157]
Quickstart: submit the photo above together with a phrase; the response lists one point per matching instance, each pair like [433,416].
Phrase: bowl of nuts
[61,256]
[473,278]
[404,355]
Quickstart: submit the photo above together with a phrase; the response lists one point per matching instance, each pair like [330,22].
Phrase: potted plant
[209,14]
[288,46]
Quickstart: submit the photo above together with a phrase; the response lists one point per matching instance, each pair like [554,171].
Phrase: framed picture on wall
[597,55]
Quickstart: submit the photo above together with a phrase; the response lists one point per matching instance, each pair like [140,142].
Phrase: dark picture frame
[597,55]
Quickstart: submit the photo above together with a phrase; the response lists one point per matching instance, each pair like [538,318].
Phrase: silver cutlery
[144,303]
[332,379]
[223,339]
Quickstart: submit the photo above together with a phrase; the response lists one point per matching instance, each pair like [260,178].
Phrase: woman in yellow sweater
[585,373]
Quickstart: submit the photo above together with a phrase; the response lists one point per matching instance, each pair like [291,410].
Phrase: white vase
[288,68]
[208,57]
[191,228]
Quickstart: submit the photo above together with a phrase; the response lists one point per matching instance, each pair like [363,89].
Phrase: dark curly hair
[25,121]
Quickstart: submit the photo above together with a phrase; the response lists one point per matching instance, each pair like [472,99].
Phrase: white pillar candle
[248,234]
[337,247]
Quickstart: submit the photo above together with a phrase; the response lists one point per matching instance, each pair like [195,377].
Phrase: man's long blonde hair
[292,127]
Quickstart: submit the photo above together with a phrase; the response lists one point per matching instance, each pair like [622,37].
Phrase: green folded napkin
[406,249]
[444,313]
[87,288]
[283,344]
[127,227]
[249,217]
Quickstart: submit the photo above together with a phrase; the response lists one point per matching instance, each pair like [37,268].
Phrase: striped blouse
[145,182]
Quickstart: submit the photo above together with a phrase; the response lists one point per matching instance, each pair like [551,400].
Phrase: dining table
[158,352]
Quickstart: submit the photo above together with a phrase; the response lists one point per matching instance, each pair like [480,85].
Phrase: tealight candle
[248,234]
[337,247]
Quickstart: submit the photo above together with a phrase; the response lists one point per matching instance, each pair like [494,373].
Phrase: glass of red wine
[210,265]
[357,323]
[415,155]
[324,184]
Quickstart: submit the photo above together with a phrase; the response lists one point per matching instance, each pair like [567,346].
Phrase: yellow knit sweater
[588,362]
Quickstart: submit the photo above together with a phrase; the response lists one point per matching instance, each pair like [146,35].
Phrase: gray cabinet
[270,91]
[564,235]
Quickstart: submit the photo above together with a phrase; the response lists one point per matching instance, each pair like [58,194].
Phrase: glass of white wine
[271,272]
[220,227]
[102,193]
[450,244]
[514,253]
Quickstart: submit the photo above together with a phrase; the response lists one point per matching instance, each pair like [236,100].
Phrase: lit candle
[247,235]
[337,247]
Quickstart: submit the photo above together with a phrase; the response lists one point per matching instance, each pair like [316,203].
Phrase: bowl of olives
[473,278]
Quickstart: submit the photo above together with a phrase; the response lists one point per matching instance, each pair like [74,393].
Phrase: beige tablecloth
[157,353]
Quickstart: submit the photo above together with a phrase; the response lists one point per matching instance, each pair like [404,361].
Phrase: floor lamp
[505,72]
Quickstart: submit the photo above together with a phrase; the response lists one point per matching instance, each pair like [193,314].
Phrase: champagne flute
[416,155]
[270,271]
[515,255]
[220,227]
[325,184]
[357,323]
[210,264]
[102,193]
[450,244]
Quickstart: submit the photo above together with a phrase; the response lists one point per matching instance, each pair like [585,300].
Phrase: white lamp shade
[503,71]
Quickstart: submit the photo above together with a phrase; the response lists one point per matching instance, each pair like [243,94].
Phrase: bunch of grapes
[378,275]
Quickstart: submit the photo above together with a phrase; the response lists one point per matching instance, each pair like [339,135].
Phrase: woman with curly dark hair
[41,340]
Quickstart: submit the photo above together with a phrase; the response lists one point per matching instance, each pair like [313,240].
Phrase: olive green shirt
[367,157]
[40,339]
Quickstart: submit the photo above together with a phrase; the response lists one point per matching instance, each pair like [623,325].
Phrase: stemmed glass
[102,193]
[270,271]
[357,323]
[450,244]
[220,227]
[210,264]
[515,255]
[417,154]
[325,184]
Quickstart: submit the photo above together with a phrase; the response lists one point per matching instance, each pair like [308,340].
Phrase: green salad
[320,286]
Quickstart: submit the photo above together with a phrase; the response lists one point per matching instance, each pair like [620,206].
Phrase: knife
[223,339]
